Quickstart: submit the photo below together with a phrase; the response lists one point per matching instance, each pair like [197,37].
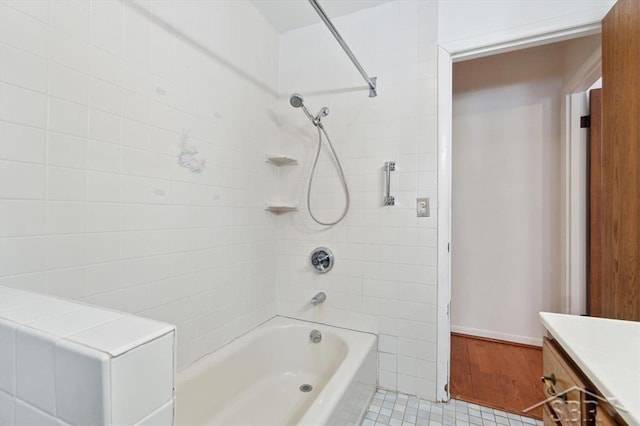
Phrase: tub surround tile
[35,368]
[23,143]
[163,416]
[76,321]
[143,375]
[7,409]
[11,298]
[26,414]
[40,310]
[82,384]
[82,365]
[122,335]
[8,356]
[91,99]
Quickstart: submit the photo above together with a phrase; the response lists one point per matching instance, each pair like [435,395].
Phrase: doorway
[506,219]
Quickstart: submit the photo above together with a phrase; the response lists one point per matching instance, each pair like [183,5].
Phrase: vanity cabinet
[572,399]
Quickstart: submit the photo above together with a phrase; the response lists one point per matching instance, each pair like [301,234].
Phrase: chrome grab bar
[389,166]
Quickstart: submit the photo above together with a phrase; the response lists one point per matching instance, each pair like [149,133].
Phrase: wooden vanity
[591,370]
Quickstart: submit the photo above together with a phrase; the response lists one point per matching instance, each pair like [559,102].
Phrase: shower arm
[371,81]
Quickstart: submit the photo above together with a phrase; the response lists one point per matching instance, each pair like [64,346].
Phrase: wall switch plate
[422,207]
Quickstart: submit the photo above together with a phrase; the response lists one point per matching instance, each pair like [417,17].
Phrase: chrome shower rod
[371,81]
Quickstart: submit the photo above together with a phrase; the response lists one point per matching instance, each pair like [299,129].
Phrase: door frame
[575,170]
[447,55]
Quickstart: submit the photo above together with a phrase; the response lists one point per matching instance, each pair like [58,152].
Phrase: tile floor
[390,408]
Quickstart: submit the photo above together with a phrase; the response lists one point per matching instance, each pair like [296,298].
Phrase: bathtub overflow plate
[306,388]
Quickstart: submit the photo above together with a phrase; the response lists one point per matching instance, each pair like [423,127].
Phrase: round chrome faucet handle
[322,259]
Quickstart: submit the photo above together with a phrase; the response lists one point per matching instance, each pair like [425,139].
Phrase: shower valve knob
[322,259]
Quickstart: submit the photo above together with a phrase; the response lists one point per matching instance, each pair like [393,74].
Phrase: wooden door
[620,296]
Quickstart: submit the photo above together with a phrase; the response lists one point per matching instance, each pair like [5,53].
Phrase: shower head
[324,111]
[296,100]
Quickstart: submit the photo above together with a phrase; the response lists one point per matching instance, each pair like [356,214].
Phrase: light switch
[422,207]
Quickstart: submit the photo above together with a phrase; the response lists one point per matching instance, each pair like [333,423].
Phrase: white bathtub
[255,380]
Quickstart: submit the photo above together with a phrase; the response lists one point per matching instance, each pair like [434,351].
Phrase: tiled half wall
[65,363]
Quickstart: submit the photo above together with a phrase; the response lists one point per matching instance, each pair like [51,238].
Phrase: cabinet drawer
[568,407]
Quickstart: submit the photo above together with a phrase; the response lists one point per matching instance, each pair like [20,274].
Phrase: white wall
[506,193]
[384,279]
[95,97]
[470,24]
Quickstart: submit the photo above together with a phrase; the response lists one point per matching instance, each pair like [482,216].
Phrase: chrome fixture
[322,259]
[314,337]
[318,298]
[389,166]
[371,82]
[297,101]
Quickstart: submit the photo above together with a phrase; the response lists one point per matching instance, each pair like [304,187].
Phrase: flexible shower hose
[342,178]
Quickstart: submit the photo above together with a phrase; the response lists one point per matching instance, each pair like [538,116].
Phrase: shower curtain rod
[371,81]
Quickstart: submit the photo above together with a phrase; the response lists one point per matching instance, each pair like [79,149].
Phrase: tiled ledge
[63,362]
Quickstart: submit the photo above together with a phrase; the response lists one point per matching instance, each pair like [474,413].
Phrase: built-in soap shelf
[279,161]
[281,208]
[282,160]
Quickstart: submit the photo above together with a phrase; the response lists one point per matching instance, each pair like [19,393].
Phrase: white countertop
[608,353]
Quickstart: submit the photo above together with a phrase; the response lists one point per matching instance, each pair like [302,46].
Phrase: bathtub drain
[306,388]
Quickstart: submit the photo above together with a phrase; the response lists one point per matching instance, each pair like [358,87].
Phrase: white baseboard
[526,340]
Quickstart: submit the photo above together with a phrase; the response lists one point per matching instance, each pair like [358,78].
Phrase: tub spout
[318,298]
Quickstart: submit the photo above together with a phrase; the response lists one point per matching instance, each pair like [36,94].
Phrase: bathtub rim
[328,399]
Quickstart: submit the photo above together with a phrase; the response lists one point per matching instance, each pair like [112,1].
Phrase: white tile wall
[82,384]
[7,409]
[52,371]
[8,357]
[163,416]
[35,369]
[95,98]
[144,375]
[384,279]
[26,414]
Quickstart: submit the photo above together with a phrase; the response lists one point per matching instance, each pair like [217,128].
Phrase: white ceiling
[286,15]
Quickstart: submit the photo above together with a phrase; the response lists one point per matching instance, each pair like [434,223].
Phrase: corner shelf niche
[279,161]
[282,160]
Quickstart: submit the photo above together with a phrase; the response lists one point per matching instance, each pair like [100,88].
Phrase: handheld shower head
[296,100]
[324,111]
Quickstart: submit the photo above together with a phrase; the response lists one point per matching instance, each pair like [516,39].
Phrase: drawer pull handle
[550,381]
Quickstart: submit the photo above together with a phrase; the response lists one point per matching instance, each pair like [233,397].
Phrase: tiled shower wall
[100,101]
[384,278]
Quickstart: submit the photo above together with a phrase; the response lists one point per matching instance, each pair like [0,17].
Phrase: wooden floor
[496,374]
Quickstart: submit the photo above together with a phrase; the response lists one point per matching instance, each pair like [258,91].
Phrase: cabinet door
[567,407]
[603,418]
[547,417]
